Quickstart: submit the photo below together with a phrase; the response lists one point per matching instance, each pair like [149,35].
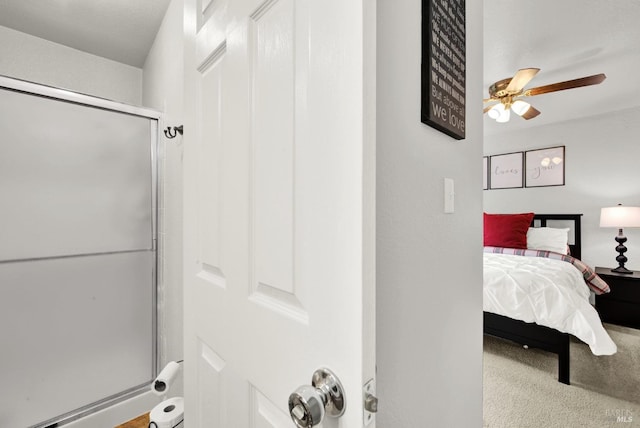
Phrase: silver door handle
[309,404]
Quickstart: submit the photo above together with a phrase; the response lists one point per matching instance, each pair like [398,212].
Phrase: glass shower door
[77,256]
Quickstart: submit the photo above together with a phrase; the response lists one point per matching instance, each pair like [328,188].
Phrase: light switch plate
[448,196]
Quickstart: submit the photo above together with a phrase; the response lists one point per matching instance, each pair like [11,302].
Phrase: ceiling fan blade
[520,79]
[531,113]
[569,84]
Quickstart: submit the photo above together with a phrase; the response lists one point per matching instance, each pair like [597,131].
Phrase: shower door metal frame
[155,117]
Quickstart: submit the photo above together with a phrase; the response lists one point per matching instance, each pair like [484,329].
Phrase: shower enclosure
[77,253]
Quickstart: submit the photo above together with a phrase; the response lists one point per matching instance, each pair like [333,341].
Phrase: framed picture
[544,167]
[506,171]
[443,68]
[485,173]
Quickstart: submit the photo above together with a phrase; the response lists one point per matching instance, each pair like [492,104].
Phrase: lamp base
[621,249]
[622,269]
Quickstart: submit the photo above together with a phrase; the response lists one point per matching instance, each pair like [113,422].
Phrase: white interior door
[279,206]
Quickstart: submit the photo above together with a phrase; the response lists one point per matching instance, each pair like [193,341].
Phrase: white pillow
[548,239]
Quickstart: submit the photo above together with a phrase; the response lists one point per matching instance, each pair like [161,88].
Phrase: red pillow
[506,230]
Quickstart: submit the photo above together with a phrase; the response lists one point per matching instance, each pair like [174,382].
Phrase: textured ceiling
[121,30]
[566,39]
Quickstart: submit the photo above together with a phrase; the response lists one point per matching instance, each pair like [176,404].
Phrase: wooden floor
[141,421]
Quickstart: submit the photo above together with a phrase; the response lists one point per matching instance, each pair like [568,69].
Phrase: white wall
[37,60]
[163,90]
[601,169]
[429,269]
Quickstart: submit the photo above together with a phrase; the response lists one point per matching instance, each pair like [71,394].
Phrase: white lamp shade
[620,217]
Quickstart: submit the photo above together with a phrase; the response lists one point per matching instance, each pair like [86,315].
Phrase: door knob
[309,404]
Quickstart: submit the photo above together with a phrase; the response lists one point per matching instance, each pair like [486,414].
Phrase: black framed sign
[443,74]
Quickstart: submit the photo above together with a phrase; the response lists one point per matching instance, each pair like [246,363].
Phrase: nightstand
[622,305]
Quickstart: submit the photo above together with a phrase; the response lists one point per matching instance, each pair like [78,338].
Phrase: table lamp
[620,217]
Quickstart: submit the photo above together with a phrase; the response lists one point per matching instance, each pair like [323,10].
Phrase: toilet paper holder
[165,378]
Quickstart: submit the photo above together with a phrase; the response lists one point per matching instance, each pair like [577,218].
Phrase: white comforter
[545,291]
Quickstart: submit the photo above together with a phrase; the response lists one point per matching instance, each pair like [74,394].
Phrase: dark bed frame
[532,334]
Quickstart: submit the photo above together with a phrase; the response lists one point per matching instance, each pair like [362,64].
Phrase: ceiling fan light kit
[520,107]
[505,115]
[496,110]
[507,93]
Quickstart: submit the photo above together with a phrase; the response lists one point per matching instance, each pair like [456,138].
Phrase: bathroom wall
[26,57]
[163,90]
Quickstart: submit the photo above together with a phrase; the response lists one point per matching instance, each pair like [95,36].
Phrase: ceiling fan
[508,93]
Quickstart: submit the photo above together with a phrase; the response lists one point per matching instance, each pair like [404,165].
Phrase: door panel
[209,216]
[273,76]
[277,240]
[266,414]
[210,389]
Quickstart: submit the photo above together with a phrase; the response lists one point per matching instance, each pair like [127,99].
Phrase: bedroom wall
[601,170]
[429,269]
[26,57]
[163,90]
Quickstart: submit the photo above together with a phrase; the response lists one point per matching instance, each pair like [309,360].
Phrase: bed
[580,319]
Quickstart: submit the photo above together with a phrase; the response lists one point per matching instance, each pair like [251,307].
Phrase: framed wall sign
[443,74]
[485,173]
[506,171]
[545,167]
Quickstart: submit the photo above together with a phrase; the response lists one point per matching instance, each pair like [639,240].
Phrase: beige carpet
[521,389]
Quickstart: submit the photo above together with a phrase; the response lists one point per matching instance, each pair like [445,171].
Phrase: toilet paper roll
[164,379]
[168,414]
